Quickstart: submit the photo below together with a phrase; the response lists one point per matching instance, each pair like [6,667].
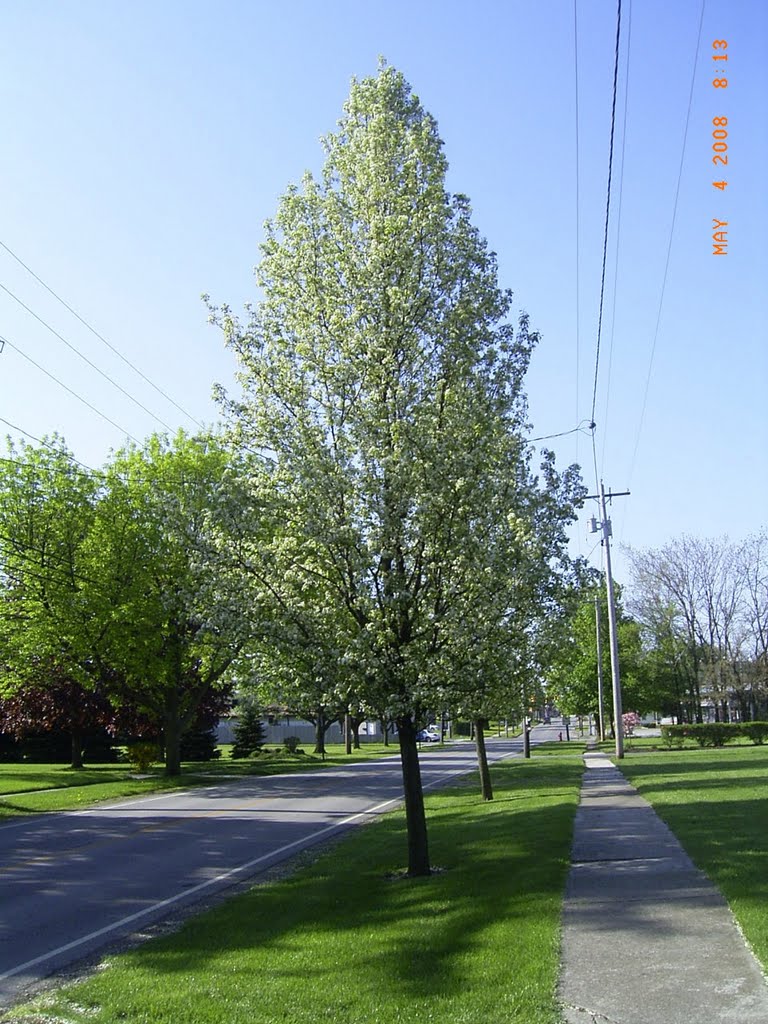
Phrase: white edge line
[378,808]
[197,888]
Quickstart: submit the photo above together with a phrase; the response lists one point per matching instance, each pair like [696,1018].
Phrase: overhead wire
[100,336]
[85,358]
[616,58]
[563,433]
[605,239]
[61,384]
[46,444]
[578,200]
[592,424]
[607,207]
[669,246]
[618,236]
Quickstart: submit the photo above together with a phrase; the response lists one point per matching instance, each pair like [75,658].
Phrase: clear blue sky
[142,146]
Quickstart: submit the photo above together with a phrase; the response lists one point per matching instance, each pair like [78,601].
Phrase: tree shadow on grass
[503,868]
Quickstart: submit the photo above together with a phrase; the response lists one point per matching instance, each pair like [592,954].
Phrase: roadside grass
[716,803]
[608,745]
[559,747]
[348,940]
[657,743]
[27,788]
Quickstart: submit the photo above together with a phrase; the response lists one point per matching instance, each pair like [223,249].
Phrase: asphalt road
[75,883]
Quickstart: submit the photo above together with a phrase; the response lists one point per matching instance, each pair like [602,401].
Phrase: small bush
[672,737]
[755,731]
[713,734]
[706,734]
[143,755]
[291,744]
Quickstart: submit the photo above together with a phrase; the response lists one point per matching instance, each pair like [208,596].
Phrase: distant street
[75,883]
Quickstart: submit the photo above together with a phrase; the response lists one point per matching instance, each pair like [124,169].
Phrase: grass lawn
[716,803]
[558,748]
[658,743]
[348,941]
[32,788]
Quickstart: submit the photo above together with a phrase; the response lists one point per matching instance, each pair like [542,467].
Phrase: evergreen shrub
[249,731]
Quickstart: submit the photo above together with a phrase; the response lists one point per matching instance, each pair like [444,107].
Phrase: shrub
[714,734]
[143,755]
[706,734]
[199,745]
[672,736]
[755,731]
[291,744]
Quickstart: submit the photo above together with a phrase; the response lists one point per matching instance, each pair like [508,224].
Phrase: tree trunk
[486,788]
[347,734]
[320,732]
[385,731]
[415,818]
[76,757]
[172,735]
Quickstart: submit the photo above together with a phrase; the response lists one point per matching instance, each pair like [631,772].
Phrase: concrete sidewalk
[647,939]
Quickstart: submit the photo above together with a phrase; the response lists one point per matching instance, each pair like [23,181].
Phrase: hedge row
[715,734]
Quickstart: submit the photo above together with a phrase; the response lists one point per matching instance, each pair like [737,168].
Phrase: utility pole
[605,526]
[600,709]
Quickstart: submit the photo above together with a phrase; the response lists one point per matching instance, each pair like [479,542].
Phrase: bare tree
[705,603]
[752,562]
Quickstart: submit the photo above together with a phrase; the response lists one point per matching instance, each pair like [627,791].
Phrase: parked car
[428,736]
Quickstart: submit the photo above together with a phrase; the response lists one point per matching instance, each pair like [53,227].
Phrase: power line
[607,206]
[100,336]
[71,392]
[46,444]
[618,234]
[578,311]
[563,433]
[669,244]
[85,358]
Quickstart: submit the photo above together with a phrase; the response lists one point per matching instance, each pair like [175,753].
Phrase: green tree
[47,629]
[514,565]
[159,543]
[249,731]
[382,382]
[574,671]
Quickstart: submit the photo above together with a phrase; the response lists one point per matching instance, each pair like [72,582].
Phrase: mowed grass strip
[716,803]
[27,788]
[348,940]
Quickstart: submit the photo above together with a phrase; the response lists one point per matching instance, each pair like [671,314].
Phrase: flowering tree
[382,382]
[630,721]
